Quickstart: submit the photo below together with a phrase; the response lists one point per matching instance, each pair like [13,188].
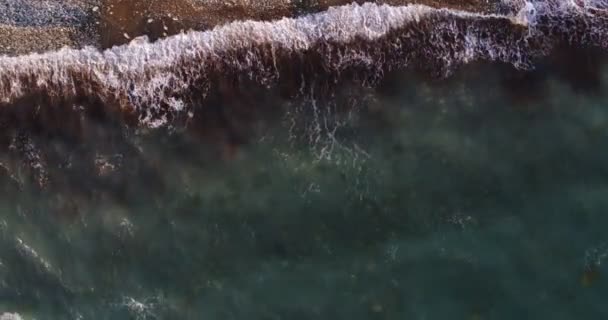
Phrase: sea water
[469,186]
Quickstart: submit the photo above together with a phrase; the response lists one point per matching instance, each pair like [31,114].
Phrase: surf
[155,82]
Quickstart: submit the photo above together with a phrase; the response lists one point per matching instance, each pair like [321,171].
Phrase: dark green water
[448,200]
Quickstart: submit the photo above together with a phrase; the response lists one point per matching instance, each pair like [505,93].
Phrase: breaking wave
[155,84]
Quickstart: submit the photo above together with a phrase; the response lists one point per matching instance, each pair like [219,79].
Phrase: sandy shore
[22,40]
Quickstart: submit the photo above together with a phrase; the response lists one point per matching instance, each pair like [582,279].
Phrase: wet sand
[22,40]
[122,20]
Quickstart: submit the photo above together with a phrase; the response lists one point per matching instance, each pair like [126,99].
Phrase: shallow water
[376,191]
[443,200]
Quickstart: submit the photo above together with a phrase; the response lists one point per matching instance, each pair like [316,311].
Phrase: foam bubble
[10,316]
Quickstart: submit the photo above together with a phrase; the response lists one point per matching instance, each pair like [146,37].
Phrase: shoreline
[109,23]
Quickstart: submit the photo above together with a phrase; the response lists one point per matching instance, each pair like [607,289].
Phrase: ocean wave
[157,83]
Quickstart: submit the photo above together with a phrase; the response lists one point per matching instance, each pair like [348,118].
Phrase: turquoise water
[458,198]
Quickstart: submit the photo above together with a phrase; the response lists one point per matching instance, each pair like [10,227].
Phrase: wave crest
[157,83]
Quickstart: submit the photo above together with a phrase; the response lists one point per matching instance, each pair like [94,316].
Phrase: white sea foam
[153,79]
[10,316]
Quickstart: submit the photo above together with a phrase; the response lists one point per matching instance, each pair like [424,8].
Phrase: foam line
[155,80]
